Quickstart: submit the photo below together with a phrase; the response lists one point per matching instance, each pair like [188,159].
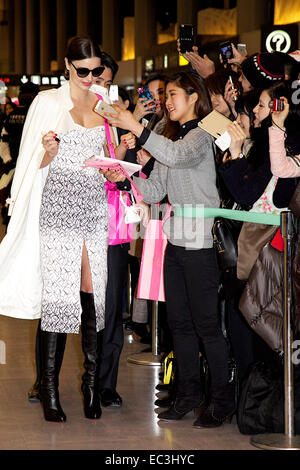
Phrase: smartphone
[226,51]
[276,104]
[186,37]
[232,84]
[242,49]
[102,108]
[114,92]
[144,92]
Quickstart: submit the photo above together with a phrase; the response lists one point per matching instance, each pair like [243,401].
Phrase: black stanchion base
[276,442]
[145,359]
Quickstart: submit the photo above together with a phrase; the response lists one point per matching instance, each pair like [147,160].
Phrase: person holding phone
[111,338]
[223,87]
[185,171]
[155,104]
[156,121]
[282,165]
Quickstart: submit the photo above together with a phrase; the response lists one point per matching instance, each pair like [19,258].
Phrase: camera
[186,38]
[226,51]
[276,104]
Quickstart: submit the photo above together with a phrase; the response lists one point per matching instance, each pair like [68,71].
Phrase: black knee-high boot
[53,346]
[92,408]
[35,392]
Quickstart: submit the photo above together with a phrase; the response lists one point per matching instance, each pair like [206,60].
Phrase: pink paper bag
[151,278]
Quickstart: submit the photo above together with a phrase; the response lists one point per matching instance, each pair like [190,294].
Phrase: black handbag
[225,235]
[261,404]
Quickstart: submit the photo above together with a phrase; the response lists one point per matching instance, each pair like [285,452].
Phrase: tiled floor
[134,426]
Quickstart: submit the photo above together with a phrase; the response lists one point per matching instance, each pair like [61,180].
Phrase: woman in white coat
[54,257]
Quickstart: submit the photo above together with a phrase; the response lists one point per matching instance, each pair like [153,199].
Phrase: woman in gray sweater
[185,171]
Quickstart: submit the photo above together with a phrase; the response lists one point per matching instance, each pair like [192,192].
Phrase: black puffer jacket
[261,301]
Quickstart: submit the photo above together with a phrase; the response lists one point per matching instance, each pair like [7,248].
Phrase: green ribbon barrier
[211,213]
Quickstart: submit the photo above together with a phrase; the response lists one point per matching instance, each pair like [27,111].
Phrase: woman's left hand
[113,176]
[279,117]
[128,140]
[125,120]
[238,137]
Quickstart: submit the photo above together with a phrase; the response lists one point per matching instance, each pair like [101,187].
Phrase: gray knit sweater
[185,171]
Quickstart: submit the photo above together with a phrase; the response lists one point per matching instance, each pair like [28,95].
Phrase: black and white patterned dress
[74,211]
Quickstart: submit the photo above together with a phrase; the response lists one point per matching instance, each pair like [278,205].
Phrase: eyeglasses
[83,72]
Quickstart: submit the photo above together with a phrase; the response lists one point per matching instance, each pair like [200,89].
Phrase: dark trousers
[112,337]
[246,346]
[239,333]
[134,267]
[241,338]
[191,280]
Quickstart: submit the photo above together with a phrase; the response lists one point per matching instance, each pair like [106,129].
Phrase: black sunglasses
[83,72]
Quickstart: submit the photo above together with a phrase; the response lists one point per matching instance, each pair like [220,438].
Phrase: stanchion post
[288,440]
[150,358]
[287,234]
[155,349]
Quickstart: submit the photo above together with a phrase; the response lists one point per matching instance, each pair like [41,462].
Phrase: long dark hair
[259,151]
[110,63]
[79,48]
[216,82]
[246,103]
[125,96]
[157,76]
[190,83]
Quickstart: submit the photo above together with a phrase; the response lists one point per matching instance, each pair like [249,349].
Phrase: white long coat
[20,273]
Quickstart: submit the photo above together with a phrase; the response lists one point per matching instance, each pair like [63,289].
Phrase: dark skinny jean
[191,280]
